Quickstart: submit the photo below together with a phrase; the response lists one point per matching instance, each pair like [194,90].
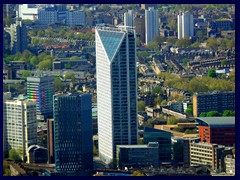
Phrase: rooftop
[217,121]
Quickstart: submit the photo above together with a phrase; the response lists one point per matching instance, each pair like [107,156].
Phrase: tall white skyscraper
[116,89]
[151,24]
[20,125]
[185,25]
[128,18]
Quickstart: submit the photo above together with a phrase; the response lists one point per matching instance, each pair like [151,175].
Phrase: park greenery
[226,113]
[42,61]
[195,84]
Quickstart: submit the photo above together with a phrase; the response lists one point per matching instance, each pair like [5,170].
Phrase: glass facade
[116,89]
[73,132]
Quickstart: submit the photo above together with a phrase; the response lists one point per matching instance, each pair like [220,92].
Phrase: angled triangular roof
[111,41]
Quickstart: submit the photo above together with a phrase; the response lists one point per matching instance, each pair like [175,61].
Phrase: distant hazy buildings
[73,133]
[128,18]
[185,25]
[48,15]
[116,89]
[216,101]
[28,11]
[151,24]
[74,18]
[41,89]
[19,124]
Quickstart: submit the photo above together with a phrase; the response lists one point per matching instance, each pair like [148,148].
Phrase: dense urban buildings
[185,25]
[20,124]
[41,89]
[73,133]
[151,24]
[116,89]
[48,15]
[74,18]
[139,24]
[217,130]
[215,101]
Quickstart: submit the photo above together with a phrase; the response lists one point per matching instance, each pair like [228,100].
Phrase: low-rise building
[138,155]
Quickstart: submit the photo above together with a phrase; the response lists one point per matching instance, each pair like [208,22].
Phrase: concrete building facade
[19,125]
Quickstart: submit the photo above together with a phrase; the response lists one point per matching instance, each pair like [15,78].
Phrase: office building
[217,130]
[185,25]
[164,140]
[41,89]
[28,11]
[215,101]
[139,24]
[186,150]
[116,89]
[74,18]
[151,24]
[73,133]
[20,125]
[18,34]
[138,155]
[50,141]
[48,15]
[211,155]
[128,18]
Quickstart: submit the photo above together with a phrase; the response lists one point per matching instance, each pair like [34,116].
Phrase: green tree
[149,123]
[138,42]
[224,62]
[141,106]
[58,84]
[172,121]
[68,65]
[189,109]
[212,43]
[157,90]
[179,129]
[185,62]
[8,21]
[164,102]
[14,155]
[104,7]
[25,74]
[138,173]
[153,46]
[6,170]
[183,43]
[212,73]
[34,61]
[228,113]
[41,33]
[213,114]
[74,58]
[70,76]
[45,65]
[157,100]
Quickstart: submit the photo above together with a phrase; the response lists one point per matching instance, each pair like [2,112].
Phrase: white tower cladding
[185,25]
[116,89]
[151,24]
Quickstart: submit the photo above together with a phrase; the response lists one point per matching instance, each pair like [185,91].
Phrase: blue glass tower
[73,132]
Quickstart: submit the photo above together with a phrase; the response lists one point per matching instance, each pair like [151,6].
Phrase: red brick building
[217,130]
